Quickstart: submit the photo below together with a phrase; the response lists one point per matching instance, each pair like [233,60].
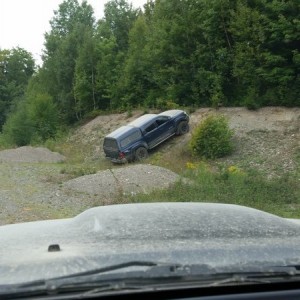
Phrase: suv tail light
[121,155]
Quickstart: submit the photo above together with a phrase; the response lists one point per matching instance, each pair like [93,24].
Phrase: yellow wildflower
[234,170]
[191,166]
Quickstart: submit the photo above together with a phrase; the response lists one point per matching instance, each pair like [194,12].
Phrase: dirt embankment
[33,186]
[265,139]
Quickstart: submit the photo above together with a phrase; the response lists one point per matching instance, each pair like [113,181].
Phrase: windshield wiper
[178,276]
[269,275]
[154,275]
[90,278]
[122,266]
[117,272]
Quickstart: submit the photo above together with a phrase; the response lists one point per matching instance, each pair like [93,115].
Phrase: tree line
[169,54]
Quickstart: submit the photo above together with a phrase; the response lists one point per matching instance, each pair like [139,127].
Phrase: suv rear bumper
[117,160]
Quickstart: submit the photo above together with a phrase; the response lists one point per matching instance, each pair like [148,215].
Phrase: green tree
[85,94]
[120,16]
[135,78]
[186,53]
[107,70]
[266,35]
[111,48]
[16,68]
[69,29]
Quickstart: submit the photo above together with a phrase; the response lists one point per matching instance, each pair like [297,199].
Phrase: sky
[24,22]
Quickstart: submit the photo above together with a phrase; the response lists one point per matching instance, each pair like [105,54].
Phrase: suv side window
[151,127]
[161,120]
[130,138]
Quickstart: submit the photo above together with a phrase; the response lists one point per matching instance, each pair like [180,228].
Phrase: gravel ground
[33,186]
[29,192]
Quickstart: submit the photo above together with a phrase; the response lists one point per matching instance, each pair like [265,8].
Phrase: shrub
[251,99]
[212,138]
[44,115]
[163,104]
[18,129]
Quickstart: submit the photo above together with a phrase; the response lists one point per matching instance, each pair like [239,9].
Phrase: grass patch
[172,155]
[297,159]
[78,170]
[80,159]
[280,196]
[166,161]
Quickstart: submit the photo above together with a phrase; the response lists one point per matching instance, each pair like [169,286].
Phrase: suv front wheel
[182,128]
[141,153]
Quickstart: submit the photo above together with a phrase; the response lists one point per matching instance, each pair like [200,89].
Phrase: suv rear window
[110,143]
[130,138]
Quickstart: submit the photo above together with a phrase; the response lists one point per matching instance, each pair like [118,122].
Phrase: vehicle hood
[187,233]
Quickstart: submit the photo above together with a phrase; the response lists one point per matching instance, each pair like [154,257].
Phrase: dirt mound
[126,180]
[30,154]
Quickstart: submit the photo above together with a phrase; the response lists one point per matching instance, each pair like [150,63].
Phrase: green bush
[18,129]
[212,138]
[251,99]
[164,104]
[44,115]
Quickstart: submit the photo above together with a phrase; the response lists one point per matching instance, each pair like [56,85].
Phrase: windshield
[150,133]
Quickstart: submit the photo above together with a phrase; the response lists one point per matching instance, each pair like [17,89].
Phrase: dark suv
[132,142]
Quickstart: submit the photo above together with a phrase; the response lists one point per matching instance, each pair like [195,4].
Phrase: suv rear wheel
[182,128]
[141,153]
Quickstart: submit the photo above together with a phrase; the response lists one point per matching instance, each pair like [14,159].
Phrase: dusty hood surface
[187,233]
